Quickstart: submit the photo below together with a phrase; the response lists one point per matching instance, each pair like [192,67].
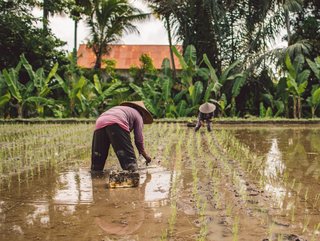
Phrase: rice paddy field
[238,182]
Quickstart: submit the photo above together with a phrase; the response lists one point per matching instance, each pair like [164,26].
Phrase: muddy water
[179,199]
[291,171]
[73,205]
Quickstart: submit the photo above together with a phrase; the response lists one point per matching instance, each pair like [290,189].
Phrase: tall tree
[192,22]
[78,8]
[51,7]
[19,34]
[163,10]
[306,26]
[109,21]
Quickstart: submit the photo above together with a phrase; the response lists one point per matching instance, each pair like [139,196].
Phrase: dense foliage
[226,59]
[19,35]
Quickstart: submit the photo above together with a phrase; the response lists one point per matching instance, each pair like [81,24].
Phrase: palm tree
[108,22]
[79,8]
[51,7]
[163,10]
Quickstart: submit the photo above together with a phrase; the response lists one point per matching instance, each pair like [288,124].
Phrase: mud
[198,195]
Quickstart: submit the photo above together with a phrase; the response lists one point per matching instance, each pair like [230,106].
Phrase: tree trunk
[45,17]
[287,20]
[233,107]
[299,107]
[294,107]
[232,38]
[204,37]
[75,40]
[98,53]
[286,104]
[313,111]
[174,74]
[20,110]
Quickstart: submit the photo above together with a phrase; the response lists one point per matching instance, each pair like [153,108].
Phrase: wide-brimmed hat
[207,108]
[139,106]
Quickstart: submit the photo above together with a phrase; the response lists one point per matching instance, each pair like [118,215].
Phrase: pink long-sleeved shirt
[128,119]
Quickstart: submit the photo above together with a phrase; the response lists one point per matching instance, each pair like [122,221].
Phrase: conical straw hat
[207,108]
[139,106]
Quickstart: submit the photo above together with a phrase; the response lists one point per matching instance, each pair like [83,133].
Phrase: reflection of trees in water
[302,153]
[299,147]
[314,167]
[291,161]
[72,204]
[30,207]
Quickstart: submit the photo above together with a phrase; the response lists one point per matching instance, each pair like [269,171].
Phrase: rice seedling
[293,214]
[271,230]
[35,148]
[306,222]
[316,200]
[306,194]
[229,208]
[164,235]
[204,226]
[299,188]
[235,229]
[173,218]
[293,183]
[280,237]
[315,232]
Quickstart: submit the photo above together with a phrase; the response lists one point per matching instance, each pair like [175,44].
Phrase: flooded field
[247,183]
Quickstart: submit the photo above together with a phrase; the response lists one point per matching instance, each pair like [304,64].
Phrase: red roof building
[127,56]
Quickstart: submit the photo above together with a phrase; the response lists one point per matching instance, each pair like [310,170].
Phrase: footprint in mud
[284,237]
[186,208]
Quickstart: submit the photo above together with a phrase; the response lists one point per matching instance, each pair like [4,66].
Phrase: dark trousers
[121,144]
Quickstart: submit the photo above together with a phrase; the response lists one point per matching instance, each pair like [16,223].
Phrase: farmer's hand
[148,159]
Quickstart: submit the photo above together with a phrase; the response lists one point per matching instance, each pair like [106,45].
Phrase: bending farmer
[205,114]
[114,127]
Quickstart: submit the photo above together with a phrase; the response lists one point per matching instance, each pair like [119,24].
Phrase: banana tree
[5,94]
[274,104]
[195,90]
[109,95]
[315,66]
[314,99]
[156,95]
[18,93]
[188,63]
[41,83]
[223,104]
[161,97]
[74,88]
[216,83]
[297,81]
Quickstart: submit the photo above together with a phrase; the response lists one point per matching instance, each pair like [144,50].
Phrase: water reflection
[157,189]
[74,188]
[40,213]
[274,165]
[291,166]
[61,203]
[126,210]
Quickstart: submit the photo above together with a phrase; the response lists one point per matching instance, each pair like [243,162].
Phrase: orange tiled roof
[127,56]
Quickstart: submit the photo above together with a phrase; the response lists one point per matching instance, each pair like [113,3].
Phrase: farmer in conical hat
[114,127]
[205,114]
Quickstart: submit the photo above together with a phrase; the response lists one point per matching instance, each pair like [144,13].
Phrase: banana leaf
[315,66]
[11,81]
[5,99]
